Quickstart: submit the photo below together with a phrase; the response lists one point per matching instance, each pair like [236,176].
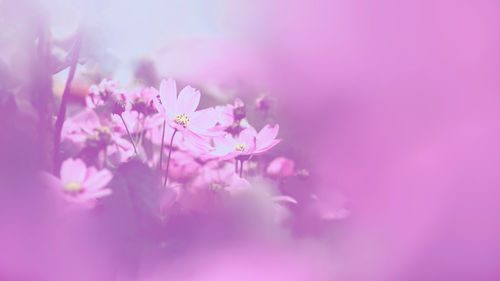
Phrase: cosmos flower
[100,93]
[230,113]
[180,111]
[214,175]
[85,129]
[79,183]
[248,142]
[143,100]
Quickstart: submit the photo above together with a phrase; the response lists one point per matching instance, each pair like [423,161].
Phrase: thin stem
[64,100]
[162,143]
[241,168]
[142,129]
[236,166]
[105,157]
[168,159]
[129,135]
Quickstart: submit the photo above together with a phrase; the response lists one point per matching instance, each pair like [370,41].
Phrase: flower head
[180,110]
[81,184]
[248,142]
[143,100]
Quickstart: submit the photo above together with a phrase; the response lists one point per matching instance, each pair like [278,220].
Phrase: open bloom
[180,111]
[79,183]
[248,142]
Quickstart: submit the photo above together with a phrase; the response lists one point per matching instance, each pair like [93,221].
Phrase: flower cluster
[191,149]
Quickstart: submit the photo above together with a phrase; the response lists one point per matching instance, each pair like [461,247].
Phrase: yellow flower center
[215,186]
[73,187]
[182,120]
[102,130]
[240,147]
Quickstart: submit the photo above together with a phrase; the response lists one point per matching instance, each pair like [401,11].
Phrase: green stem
[129,135]
[142,131]
[64,99]
[168,159]
[162,143]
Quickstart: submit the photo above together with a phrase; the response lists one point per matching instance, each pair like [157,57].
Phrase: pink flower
[237,185]
[86,129]
[248,142]
[230,113]
[230,147]
[266,139]
[80,184]
[225,116]
[180,111]
[214,175]
[183,166]
[143,100]
[263,103]
[281,167]
[98,94]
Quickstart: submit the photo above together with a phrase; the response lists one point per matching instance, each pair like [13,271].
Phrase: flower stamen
[73,187]
[240,147]
[182,120]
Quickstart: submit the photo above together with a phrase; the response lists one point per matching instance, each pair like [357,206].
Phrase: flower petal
[267,135]
[247,136]
[203,119]
[284,198]
[95,194]
[73,170]
[188,100]
[168,97]
[260,150]
[98,180]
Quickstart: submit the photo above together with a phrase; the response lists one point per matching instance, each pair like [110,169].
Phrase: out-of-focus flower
[183,166]
[231,117]
[303,174]
[79,183]
[281,167]
[229,147]
[263,103]
[106,99]
[214,175]
[143,100]
[225,116]
[85,129]
[266,139]
[239,110]
[237,185]
[249,142]
[180,111]
[98,94]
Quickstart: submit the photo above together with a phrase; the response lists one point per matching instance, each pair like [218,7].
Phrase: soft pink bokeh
[393,107]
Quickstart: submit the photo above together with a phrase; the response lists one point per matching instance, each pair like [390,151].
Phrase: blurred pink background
[392,105]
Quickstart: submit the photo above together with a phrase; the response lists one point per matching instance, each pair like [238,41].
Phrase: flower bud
[263,103]
[239,111]
[281,167]
[117,106]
